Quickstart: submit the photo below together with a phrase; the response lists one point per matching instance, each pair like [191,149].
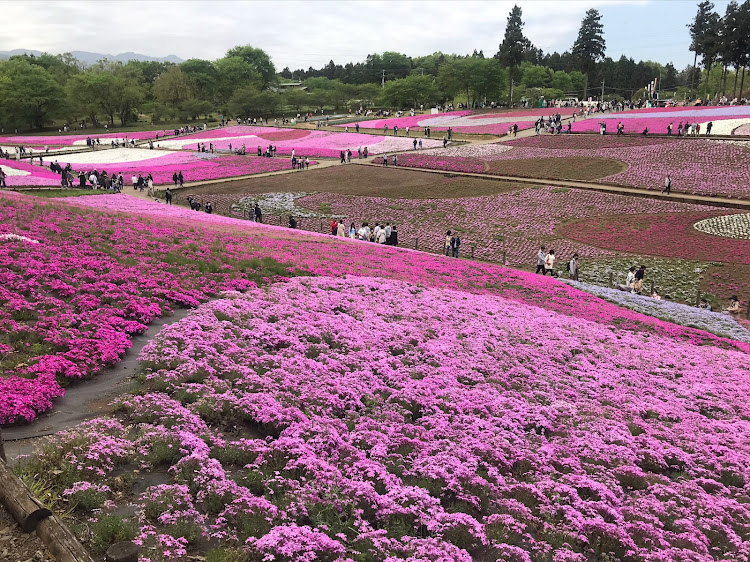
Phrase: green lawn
[67,192]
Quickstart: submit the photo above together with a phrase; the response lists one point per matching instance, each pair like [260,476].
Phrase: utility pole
[382,82]
[602,91]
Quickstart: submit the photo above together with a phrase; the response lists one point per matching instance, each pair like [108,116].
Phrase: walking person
[455,245]
[667,185]
[168,196]
[549,263]
[639,277]
[540,256]
[448,243]
[258,214]
[181,178]
[573,268]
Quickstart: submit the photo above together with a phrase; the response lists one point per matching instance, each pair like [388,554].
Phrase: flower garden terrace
[372,419]
[388,405]
[84,279]
[506,222]
[700,167]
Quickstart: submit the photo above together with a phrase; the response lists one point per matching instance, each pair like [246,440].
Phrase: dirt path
[88,398]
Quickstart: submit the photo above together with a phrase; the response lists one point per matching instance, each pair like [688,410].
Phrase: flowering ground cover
[699,167]
[371,419]
[195,166]
[67,140]
[657,119]
[23,173]
[730,226]
[72,300]
[311,143]
[665,234]
[685,315]
[468,122]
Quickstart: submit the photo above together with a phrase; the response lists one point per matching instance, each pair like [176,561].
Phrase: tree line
[36,91]
[721,43]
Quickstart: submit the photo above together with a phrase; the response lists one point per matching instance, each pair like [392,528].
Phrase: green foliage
[111,529]
[29,95]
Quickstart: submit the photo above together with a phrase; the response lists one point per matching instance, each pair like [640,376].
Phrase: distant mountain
[88,58]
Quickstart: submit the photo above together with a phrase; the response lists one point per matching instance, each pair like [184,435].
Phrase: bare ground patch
[572,168]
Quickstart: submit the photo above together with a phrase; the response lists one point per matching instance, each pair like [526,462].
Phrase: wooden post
[416,243]
[505,257]
[60,541]
[652,287]
[611,281]
[698,297]
[472,251]
[19,501]
[2,447]
[747,308]
[321,225]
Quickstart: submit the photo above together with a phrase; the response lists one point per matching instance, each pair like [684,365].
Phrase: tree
[194,108]
[511,51]
[710,46]
[456,76]
[173,87]
[259,62]
[203,76]
[28,94]
[411,91]
[107,88]
[296,98]
[243,102]
[589,47]
[699,28]
[234,73]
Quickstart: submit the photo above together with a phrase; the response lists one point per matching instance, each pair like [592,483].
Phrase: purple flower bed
[513,224]
[370,419]
[699,167]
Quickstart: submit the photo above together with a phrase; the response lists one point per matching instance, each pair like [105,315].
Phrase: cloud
[295,33]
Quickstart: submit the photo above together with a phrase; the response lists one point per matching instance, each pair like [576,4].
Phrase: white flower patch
[114,156]
[177,144]
[728,226]
[473,121]
[18,238]
[277,204]
[474,150]
[724,126]
[13,171]
[714,322]
[740,143]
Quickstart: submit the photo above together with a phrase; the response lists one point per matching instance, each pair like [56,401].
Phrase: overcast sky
[302,34]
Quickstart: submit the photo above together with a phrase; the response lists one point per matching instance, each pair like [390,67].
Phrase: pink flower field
[513,224]
[67,140]
[373,419]
[469,122]
[194,166]
[657,119]
[312,143]
[72,300]
[386,405]
[699,167]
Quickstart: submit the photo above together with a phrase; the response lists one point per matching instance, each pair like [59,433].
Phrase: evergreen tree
[699,29]
[589,47]
[513,47]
